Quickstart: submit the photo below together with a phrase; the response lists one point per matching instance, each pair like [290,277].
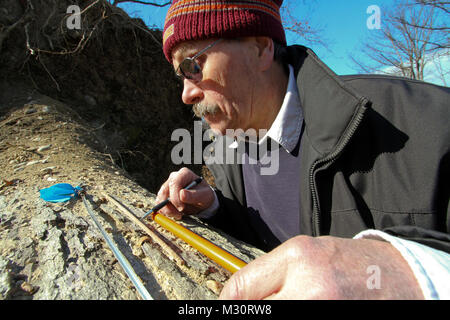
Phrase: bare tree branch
[408,41]
[302,26]
[441,5]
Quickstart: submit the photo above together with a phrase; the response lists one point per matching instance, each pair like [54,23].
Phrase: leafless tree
[302,26]
[410,38]
[441,5]
[440,27]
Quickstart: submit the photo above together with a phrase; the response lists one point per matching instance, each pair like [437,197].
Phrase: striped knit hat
[204,19]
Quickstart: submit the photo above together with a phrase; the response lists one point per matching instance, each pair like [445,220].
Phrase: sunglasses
[189,68]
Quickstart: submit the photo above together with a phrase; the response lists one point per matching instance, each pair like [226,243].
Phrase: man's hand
[184,201]
[325,268]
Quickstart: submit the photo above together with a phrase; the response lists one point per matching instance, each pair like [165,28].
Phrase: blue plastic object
[60,192]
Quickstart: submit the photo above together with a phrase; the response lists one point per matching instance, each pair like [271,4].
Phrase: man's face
[225,94]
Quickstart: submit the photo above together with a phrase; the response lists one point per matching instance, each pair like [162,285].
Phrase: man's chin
[217,130]
[210,118]
[214,124]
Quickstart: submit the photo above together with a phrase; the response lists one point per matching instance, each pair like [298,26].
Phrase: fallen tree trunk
[55,251]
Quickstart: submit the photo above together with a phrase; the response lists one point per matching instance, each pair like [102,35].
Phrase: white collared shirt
[431,267]
[286,128]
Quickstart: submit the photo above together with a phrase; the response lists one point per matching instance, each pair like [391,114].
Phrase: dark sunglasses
[189,68]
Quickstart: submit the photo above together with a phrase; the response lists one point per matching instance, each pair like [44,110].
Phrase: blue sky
[344,25]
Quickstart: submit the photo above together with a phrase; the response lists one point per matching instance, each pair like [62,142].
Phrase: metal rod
[120,257]
[150,230]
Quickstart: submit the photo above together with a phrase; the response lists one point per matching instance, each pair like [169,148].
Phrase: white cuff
[431,267]
[212,210]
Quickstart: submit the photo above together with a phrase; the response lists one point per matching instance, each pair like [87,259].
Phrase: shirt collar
[286,128]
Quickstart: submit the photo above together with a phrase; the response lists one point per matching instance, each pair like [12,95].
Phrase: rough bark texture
[96,105]
[55,251]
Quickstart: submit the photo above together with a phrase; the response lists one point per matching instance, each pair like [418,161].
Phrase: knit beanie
[204,19]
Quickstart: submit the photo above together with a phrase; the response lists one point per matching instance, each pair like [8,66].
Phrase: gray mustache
[200,110]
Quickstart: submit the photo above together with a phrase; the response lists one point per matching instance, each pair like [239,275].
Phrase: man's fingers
[202,196]
[163,192]
[260,279]
[171,189]
[177,181]
[170,211]
[267,276]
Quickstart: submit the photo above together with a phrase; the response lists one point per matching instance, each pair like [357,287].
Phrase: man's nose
[192,93]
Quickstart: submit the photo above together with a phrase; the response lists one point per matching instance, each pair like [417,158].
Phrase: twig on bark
[151,231]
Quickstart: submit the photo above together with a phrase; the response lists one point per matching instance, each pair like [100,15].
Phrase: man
[358,206]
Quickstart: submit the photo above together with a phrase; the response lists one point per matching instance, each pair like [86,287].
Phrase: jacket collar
[286,128]
[328,104]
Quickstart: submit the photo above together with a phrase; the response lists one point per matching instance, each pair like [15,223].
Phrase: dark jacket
[374,153]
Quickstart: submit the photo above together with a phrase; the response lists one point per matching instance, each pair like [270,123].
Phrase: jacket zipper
[329,159]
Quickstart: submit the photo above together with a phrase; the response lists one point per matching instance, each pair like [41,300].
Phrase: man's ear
[266,50]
